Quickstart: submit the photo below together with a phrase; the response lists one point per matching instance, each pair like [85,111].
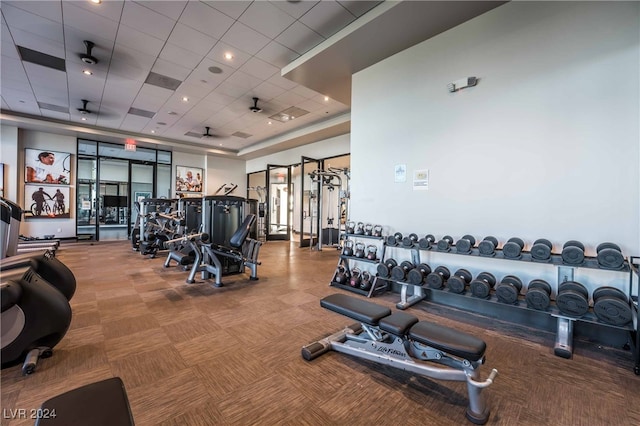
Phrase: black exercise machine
[400,340]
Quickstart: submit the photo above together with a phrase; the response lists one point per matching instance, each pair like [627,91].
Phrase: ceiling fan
[87,58]
[207,134]
[84,109]
[255,107]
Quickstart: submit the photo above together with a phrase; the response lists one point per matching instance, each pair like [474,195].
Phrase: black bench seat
[359,310]
[448,340]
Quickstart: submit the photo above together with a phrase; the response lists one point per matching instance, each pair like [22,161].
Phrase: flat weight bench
[402,341]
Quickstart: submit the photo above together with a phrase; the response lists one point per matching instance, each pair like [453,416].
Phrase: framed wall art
[188,179]
[46,202]
[50,167]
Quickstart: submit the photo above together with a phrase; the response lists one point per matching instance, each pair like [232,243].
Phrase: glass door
[141,188]
[86,208]
[278,202]
[309,189]
[257,190]
[113,201]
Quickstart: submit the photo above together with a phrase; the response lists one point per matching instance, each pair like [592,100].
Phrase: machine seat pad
[358,309]
[448,340]
[181,258]
[397,323]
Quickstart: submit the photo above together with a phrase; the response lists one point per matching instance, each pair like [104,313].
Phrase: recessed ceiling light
[83,118]
[269,123]
[153,131]
[185,99]
[220,144]
[215,70]
[326,98]
[228,56]
[87,72]
[96,1]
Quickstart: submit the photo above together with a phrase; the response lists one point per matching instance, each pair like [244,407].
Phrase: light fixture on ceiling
[83,118]
[326,99]
[269,123]
[228,56]
[463,83]
[87,72]
[153,131]
[185,99]
[215,70]
[96,1]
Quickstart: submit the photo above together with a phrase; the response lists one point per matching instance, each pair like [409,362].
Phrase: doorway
[279,202]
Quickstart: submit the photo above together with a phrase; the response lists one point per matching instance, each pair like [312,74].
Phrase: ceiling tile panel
[151,98]
[193,91]
[46,95]
[134,123]
[219,98]
[120,91]
[21,84]
[233,8]
[265,18]
[327,17]
[295,9]
[232,90]
[244,38]
[20,19]
[191,39]
[221,48]
[266,91]
[358,7]
[171,9]
[3,104]
[180,56]
[147,21]
[290,98]
[45,9]
[205,19]
[88,22]
[43,76]
[277,54]
[13,96]
[170,69]
[299,38]
[130,64]
[243,80]
[259,68]
[223,117]
[305,92]
[282,82]
[137,40]
[55,115]
[8,47]
[12,68]
[111,9]
[312,106]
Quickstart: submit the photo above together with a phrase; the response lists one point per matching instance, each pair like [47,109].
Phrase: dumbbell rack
[376,286]
[565,272]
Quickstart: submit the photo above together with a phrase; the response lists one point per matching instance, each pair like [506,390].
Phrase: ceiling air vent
[163,81]
[194,134]
[40,58]
[51,107]
[141,112]
[242,135]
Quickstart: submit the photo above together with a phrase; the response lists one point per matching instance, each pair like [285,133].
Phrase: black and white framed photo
[46,201]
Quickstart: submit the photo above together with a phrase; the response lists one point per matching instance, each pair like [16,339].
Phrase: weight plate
[391,240]
[512,279]
[426,269]
[444,271]
[545,242]
[602,246]
[391,263]
[415,276]
[574,286]
[463,246]
[397,273]
[494,240]
[541,285]
[464,275]
[448,238]
[612,310]
[573,243]
[456,284]
[406,265]
[480,289]
[424,244]
[511,250]
[488,277]
[407,242]
[610,258]
[540,251]
[486,248]
[507,293]
[413,237]
[471,239]
[383,270]
[609,292]
[430,238]
[518,241]
[573,255]
[537,299]
[434,280]
[573,303]
[443,245]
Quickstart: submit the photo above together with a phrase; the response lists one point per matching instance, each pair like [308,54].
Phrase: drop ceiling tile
[146,20]
[358,7]
[220,49]
[299,38]
[3,103]
[266,18]
[193,91]
[205,19]
[130,64]
[223,117]
[326,18]
[20,84]
[43,76]
[243,80]
[304,92]
[88,22]
[14,95]
[203,80]
[282,82]
[232,90]
[259,68]
[82,88]
[107,9]
[312,106]
[55,115]
[12,68]
[219,98]
[8,49]
[170,69]
[120,91]
[244,38]
[18,18]
[45,9]
[133,123]
[290,98]
[137,40]
[52,99]
[151,98]
[295,9]
[267,91]
[277,54]
[191,39]
[232,9]
[180,56]
[171,9]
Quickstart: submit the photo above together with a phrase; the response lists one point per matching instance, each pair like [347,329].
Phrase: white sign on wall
[400,172]
[421,180]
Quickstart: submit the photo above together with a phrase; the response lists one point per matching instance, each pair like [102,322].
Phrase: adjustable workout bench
[241,249]
[400,340]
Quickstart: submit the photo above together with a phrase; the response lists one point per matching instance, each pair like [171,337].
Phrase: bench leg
[405,302]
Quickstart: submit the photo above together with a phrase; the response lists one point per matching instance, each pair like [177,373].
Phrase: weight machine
[328,180]
[262,207]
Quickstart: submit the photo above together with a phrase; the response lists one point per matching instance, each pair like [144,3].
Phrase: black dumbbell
[359,229]
[399,272]
[609,256]
[425,243]
[366,280]
[572,299]
[459,280]
[508,289]
[377,231]
[359,250]
[611,306]
[512,249]
[410,240]
[368,230]
[384,268]
[541,250]
[418,274]
[437,278]
[341,276]
[354,281]
[573,252]
[347,250]
[538,295]
[372,252]
[395,239]
[465,244]
[481,286]
[488,246]
[351,227]
[445,243]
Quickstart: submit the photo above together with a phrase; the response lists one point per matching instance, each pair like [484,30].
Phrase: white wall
[221,171]
[9,156]
[546,145]
[338,145]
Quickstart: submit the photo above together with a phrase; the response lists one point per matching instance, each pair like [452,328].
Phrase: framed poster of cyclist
[46,202]
[50,167]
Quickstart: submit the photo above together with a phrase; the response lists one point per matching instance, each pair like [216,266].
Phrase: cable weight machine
[331,180]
